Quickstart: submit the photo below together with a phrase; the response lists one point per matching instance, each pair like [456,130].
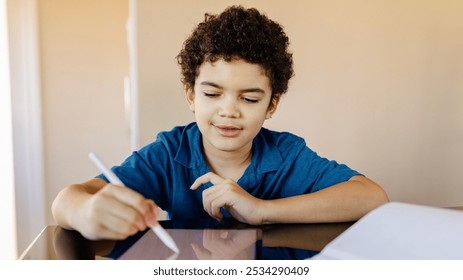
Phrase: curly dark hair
[239,33]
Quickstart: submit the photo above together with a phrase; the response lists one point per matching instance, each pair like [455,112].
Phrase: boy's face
[231,101]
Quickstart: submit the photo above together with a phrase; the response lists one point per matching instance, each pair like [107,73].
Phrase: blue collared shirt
[281,166]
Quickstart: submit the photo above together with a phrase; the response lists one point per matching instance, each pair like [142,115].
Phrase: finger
[211,241]
[215,244]
[206,178]
[221,238]
[128,205]
[109,209]
[207,238]
[116,227]
[151,218]
[200,252]
[210,198]
[223,234]
[212,235]
[215,191]
[135,207]
[132,198]
[216,197]
[214,205]
[119,228]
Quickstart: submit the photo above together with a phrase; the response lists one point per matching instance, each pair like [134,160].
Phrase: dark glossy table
[196,240]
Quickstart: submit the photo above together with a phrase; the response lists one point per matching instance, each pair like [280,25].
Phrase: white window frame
[30,195]
[7,204]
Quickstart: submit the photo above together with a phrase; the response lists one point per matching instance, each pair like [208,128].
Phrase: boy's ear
[272,107]
[190,97]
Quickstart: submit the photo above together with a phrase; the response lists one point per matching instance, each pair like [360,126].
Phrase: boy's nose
[229,108]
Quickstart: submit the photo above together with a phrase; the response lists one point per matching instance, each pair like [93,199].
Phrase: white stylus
[113,179]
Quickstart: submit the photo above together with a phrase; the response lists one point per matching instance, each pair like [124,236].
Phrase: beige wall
[84,58]
[378,85]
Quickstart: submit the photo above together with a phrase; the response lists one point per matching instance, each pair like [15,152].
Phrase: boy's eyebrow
[206,83]
[258,90]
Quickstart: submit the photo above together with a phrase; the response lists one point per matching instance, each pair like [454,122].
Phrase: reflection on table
[207,239]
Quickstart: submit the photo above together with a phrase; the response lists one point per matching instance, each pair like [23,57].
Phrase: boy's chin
[227,145]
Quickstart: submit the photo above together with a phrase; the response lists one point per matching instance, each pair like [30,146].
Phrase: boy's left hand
[228,194]
[225,245]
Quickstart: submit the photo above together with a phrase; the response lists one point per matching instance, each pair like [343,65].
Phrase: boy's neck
[228,165]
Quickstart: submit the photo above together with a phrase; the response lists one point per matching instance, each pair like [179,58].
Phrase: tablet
[196,244]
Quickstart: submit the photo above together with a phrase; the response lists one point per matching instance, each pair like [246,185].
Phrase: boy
[235,68]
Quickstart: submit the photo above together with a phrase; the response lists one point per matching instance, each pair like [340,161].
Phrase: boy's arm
[346,201]
[103,211]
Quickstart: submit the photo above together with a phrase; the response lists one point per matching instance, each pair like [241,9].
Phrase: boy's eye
[209,94]
[250,100]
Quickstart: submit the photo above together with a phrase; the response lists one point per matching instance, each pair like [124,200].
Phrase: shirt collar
[189,152]
[266,155]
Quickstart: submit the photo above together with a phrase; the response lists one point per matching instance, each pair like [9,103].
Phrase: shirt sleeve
[304,171]
[320,172]
[139,173]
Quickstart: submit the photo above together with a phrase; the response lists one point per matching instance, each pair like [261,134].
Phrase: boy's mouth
[228,130]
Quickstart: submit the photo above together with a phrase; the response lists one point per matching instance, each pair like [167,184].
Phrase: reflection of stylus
[165,237]
[113,179]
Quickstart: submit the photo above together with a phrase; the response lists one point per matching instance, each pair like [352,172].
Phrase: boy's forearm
[347,201]
[67,204]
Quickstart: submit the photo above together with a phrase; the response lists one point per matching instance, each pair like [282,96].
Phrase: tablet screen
[196,244]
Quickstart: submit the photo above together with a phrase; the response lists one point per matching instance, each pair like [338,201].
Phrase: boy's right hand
[115,212]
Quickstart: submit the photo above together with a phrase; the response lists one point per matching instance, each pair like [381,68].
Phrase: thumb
[151,217]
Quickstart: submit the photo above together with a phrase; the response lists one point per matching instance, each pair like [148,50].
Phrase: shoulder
[175,133]
[274,149]
[169,142]
[173,138]
[285,142]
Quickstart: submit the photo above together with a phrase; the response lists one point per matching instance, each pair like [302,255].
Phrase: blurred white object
[400,231]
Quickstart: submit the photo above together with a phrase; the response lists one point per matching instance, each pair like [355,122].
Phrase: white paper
[400,231]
